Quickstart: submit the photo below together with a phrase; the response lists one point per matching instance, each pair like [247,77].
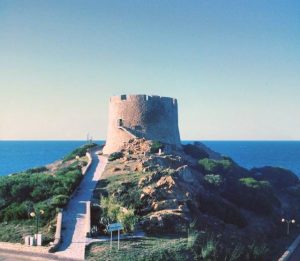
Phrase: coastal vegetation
[79,152]
[193,246]
[192,206]
[112,211]
[38,189]
[119,200]
[22,193]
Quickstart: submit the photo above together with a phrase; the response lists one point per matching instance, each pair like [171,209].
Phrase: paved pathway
[73,235]
[296,255]
[27,255]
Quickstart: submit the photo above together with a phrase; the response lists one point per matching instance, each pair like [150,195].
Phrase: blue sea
[16,156]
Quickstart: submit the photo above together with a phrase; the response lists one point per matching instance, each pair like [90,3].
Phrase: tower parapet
[143,116]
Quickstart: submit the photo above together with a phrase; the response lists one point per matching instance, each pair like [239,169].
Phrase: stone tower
[142,116]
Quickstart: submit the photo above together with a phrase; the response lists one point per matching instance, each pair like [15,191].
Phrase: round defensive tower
[142,116]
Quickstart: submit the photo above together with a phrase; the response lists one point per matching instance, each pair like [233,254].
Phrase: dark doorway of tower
[120,122]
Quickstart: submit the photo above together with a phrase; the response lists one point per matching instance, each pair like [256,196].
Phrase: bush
[209,250]
[115,156]
[278,177]
[195,152]
[257,251]
[37,188]
[81,151]
[155,146]
[129,194]
[254,184]
[59,201]
[128,219]
[213,181]
[112,211]
[215,166]
[225,167]
[15,211]
[37,170]
[207,246]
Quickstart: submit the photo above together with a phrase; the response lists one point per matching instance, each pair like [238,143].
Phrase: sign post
[110,239]
[118,239]
[114,227]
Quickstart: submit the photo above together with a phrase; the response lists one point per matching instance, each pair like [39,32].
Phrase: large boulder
[164,221]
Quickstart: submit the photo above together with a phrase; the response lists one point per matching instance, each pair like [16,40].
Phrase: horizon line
[221,140]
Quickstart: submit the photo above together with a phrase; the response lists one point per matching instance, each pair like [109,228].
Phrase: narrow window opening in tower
[123,97]
[120,122]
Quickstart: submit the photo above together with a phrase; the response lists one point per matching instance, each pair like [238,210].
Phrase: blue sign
[114,227]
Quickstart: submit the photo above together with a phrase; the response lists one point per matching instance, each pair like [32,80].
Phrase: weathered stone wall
[151,117]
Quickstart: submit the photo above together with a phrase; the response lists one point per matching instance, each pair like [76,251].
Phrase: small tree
[128,219]
[112,211]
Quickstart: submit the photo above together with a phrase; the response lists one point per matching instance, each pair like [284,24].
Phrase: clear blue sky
[233,65]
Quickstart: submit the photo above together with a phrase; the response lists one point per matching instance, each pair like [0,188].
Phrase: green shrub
[225,167]
[59,201]
[21,190]
[209,250]
[115,156]
[257,251]
[129,194]
[236,253]
[112,211]
[254,184]
[128,219]
[215,166]
[15,211]
[2,203]
[37,170]
[81,151]
[36,188]
[109,209]
[155,146]
[213,180]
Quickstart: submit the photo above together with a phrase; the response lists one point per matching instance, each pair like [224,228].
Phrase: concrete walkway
[22,257]
[74,234]
[293,253]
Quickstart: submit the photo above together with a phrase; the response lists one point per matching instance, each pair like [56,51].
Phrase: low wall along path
[74,216]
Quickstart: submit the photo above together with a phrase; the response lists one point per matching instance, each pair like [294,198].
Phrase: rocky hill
[170,190]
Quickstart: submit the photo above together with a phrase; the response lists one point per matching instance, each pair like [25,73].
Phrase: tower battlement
[145,116]
[142,97]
